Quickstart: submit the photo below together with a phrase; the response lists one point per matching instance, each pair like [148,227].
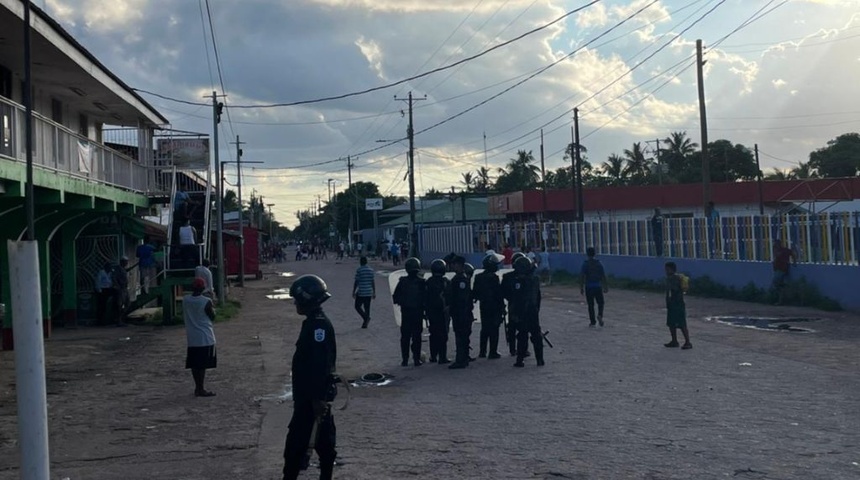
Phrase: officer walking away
[592,284]
[435,303]
[460,301]
[524,303]
[312,424]
[507,287]
[488,291]
[409,295]
[364,290]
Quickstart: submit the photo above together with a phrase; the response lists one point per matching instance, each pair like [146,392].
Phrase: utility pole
[217,108]
[703,120]
[355,198]
[486,164]
[657,159]
[760,181]
[271,223]
[241,215]
[349,228]
[573,170]
[580,215]
[410,132]
[542,173]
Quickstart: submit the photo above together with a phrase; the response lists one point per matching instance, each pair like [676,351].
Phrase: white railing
[59,149]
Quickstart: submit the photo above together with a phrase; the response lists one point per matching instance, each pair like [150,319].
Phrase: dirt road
[611,403]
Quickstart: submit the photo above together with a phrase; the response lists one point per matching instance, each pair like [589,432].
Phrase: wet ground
[611,403]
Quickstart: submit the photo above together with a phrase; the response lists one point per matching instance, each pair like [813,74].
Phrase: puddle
[287,274]
[282,397]
[373,380]
[279,294]
[772,324]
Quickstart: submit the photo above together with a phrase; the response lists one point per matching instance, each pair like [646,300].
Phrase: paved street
[611,403]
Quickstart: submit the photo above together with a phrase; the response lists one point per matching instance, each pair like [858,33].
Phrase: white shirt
[198,326]
[186,235]
[206,275]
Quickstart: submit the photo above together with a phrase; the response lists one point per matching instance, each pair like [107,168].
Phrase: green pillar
[45,282]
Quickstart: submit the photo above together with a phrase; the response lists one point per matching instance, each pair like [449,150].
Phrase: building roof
[420,204]
[676,196]
[446,211]
[53,33]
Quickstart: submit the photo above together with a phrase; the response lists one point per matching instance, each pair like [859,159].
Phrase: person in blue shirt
[105,293]
[592,284]
[364,290]
[146,263]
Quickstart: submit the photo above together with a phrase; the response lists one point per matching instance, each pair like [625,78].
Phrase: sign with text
[185,153]
[373,204]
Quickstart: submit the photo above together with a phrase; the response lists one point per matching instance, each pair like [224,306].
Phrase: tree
[483,180]
[558,179]
[638,168]
[840,158]
[468,181]
[803,171]
[613,170]
[434,194]
[677,155]
[778,174]
[521,173]
[231,201]
[730,163]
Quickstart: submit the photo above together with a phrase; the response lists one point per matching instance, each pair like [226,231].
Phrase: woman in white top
[188,245]
[198,312]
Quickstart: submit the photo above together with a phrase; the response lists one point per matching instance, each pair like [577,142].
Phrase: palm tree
[677,156]
[521,173]
[483,181]
[680,144]
[468,181]
[637,168]
[613,169]
[803,171]
[778,174]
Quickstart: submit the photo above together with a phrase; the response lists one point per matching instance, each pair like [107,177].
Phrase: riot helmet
[468,269]
[309,291]
[491,262]
[523,265]
[438,267]
[412,265]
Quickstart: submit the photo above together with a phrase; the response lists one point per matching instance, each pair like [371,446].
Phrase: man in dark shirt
[592,284]
[524,304]
[460,302]
[488,291]
[782,258]
[676,308]
[436,306]
[409,295]
[312,424]
[657,231]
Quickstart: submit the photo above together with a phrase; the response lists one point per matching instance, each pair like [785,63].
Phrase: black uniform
[313,366]
[488,291]
[460,301]
[524,304]
[510,332]
[409,294]
[435,303]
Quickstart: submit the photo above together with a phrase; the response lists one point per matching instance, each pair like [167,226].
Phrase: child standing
[676,309]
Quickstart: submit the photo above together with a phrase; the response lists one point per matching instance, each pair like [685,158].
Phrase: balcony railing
[61,150]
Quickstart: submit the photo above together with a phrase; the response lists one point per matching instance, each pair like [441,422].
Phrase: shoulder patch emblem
[319,335]
[462,285]
[517,286]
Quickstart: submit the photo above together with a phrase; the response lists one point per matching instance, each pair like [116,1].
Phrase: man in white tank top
[188,245]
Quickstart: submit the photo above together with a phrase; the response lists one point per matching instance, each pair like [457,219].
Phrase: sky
[786,82]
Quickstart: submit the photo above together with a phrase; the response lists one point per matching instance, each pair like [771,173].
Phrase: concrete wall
[839,282]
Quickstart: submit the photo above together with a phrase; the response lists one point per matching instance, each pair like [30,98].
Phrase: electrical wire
[391,84]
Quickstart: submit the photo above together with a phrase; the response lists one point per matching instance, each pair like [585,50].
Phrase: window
[5,82]
[83,125]
[57,111]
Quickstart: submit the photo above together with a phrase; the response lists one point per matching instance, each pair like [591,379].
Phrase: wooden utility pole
[760,181]
[580,211]
[703,121]
[410,133]
[241,215]
[573,169]
[543,173]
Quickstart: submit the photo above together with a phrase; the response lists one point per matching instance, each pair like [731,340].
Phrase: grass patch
[799,293]
[227,310]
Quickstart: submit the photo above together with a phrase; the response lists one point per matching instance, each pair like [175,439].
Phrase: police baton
[545,336]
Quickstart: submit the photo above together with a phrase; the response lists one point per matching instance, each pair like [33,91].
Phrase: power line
[218,64]
[392,84]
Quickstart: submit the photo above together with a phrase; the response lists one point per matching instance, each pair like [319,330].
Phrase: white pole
[29,360]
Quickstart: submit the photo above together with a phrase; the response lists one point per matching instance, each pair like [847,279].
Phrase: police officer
[488,291]
[436,305]
[409,295]
[460,302]
[313,382]
[507,286]
[524,303]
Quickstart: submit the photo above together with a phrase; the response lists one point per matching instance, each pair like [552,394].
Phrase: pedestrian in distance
[524,300]
[364,290]
[488,291]
[145,253]
[198,313]
[657,232]
[782,259]
[105,293]
[543,266]
[188,245]
[436,306]
[119,276]
[314,383]
[676,308]
[592,284]
[460,302]
[202,271]
[409,294]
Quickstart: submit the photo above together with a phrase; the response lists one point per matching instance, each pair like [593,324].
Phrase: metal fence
[826,238]
[59,149]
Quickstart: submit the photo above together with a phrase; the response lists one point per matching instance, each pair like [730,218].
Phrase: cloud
[276,51]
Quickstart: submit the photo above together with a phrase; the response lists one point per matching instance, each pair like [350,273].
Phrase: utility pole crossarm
[410,132]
